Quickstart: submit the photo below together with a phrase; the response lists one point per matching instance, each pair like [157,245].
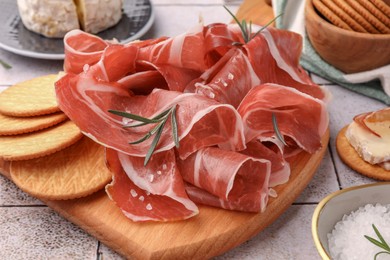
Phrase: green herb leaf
[174,127]
[5,65]
[276,129]
[265,26]
[380,237]
[247,31]
[160,121]
[154,143]
[132,116]
[381,244]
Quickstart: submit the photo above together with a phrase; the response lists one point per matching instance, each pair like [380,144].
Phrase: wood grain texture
[348,51]
[260,12]
[213,232]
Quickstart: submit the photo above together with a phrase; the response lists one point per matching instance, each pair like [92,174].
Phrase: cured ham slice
[274,55]
[182,51]
[82,48]
[201,122]
[280,168]
[300,117]
[229,80]
[230,176]
[153,193]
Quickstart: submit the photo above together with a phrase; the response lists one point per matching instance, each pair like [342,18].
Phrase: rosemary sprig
[160,121]
[5,65]
[380,243]
[247,30]
[276,129]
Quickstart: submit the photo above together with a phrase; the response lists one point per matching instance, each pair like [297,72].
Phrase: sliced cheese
[98,15]
[51,18]
[372,148]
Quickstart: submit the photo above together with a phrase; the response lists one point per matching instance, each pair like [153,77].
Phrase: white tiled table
[31,230]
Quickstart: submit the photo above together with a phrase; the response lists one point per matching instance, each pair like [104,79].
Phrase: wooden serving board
[213,232]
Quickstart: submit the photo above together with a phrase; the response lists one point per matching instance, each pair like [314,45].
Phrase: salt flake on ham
[153,193]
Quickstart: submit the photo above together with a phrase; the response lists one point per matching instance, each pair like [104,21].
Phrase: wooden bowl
[346,50]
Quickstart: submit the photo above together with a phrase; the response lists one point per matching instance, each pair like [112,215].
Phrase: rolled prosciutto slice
[235,179]
[82,48]
[280,168]
[153,193]
[300,117]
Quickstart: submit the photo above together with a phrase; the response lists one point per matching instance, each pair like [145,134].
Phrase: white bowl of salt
[354,223]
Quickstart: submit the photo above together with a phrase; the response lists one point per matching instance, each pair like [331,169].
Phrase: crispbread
[351,158]
[10,125]
[30,98]
[39,143]
[74,172]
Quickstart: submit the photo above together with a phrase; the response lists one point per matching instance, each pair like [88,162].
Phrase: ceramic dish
[136,20]
[333,207]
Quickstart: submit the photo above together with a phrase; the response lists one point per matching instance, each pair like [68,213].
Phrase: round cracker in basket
[74,172]
[364,145]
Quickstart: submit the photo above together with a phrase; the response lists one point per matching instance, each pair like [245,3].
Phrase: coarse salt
[347,239]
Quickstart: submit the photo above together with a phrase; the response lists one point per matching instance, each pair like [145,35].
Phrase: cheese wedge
[54,18]
[98,15]
[51,18]
[372,146]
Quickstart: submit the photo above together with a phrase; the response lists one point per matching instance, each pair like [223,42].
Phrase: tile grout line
[334,166]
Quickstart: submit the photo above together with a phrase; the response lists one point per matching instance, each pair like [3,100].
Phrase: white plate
[137,18]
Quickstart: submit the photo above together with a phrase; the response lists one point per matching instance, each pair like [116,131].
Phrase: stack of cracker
[366,16]
[42,151]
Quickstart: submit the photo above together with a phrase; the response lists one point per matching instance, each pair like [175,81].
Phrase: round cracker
[351,158]
[372,8]
[344,16]
[74,172]
[330,15]
[39,143]
[368,16]
[30,98]
[356,16]
[10,125]
[383,6]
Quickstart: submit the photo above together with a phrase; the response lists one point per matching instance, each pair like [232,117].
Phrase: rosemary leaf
[276,129]
[380,237]
[134,117]
[146,137]
[376,242]
[174,127]
[243,30]
[5,65]
[154,143]
[265,26]
[382,252]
